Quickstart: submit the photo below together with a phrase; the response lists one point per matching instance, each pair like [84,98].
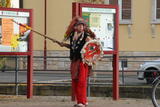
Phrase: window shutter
[158,10]
[126,9]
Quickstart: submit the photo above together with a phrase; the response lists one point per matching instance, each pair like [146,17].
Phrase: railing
[58,70]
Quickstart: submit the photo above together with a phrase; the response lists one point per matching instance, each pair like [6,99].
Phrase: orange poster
[7,31]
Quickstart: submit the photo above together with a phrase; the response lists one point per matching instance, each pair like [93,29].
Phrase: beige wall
[38,20]
[59,16]
[141,37]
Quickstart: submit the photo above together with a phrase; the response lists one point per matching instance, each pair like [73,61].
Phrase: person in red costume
[78,34]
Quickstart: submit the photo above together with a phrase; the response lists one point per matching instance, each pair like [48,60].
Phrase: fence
[13,71]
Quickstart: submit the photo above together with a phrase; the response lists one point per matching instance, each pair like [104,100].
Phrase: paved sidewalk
[60,101]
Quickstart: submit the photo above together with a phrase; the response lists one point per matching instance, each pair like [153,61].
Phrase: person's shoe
[80,105]
[86,104]
[75,105]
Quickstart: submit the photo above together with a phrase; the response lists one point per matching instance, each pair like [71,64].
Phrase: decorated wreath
[91,52]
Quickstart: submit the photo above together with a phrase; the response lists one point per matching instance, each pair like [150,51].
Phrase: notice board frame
[29,53]
[77,11]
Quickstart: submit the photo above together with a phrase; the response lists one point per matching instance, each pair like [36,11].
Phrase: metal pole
[115,77]
[30,63]
[30,77]
[45,32]
[16,75]
[116,59]
[122,65]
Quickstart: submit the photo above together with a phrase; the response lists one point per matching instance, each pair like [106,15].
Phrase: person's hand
[62,44]
[88,39]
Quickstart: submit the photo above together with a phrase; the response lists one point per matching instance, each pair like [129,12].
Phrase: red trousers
[79,83]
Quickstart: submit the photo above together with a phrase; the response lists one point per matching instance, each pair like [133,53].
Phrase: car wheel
[150,76]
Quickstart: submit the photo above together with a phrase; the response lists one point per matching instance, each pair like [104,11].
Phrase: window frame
[154,19]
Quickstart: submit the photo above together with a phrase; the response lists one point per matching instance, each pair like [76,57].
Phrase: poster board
[102,22]
[14,38]
[17,41]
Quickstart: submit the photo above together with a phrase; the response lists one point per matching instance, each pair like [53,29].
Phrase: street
[58,76]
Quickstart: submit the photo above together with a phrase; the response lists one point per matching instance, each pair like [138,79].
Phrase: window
[155,11]
[158,9]
[125,8]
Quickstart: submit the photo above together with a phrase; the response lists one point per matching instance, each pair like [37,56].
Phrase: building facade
[138,29]
[139,33]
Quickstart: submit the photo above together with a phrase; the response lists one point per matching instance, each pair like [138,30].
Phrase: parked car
[149,71]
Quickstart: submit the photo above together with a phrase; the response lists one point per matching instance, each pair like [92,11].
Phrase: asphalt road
[52,76]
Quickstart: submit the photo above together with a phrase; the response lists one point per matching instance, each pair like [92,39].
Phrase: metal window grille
[126,9]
